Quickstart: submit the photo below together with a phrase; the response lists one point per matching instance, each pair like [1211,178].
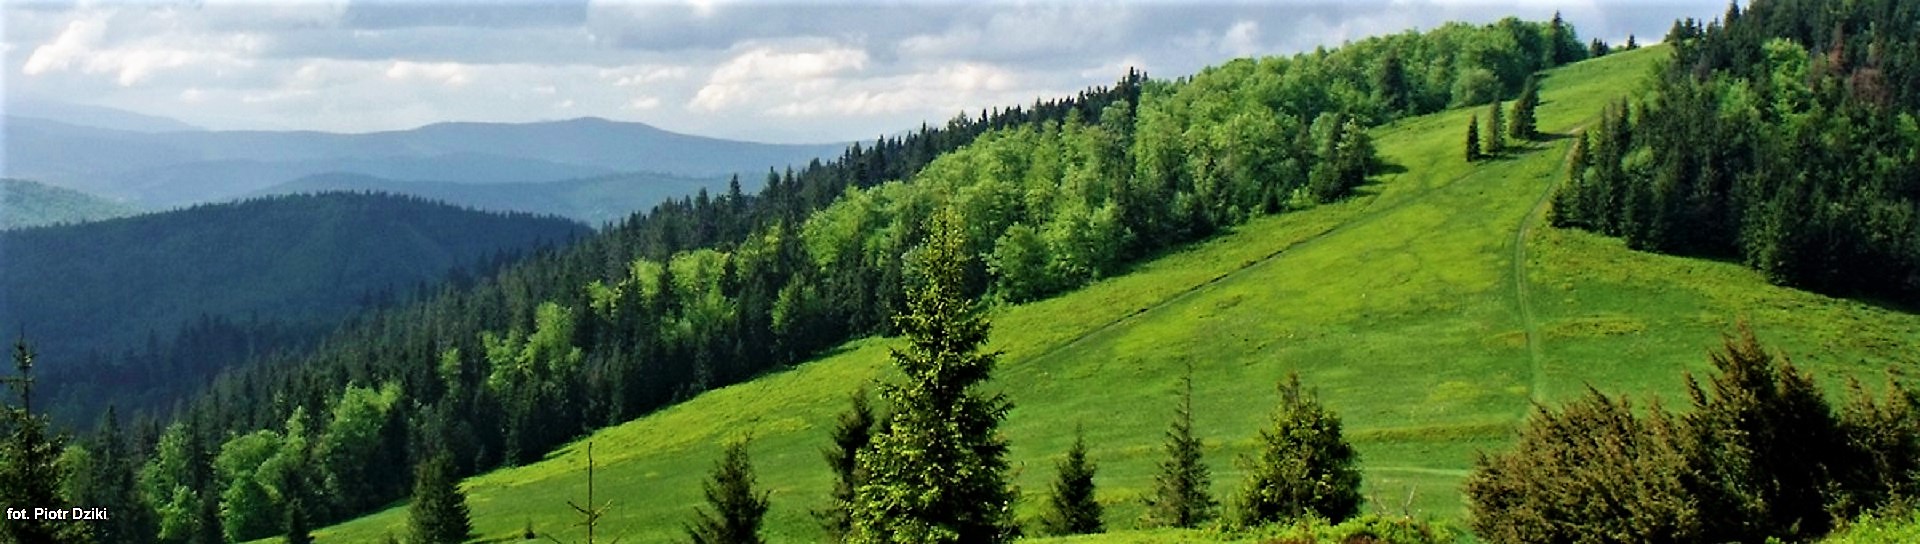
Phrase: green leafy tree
[1473,138]
[936,469]
[438,513]
[1304,466]
[1181,492]
[737,504]
[1071,508]
[852,434]
[103,474]
[247,510]
[178,480]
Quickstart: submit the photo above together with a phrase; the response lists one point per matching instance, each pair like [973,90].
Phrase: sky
[792,71]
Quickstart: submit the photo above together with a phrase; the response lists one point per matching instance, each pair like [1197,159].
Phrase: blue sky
[789,71]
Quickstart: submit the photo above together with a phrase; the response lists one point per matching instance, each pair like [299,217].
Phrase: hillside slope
[1430,312]
[29,204]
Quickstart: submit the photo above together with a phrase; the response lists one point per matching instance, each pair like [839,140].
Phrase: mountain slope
[593,200]
[107,286]
[28,204]
[1430,312]
[89,116]
[198,166]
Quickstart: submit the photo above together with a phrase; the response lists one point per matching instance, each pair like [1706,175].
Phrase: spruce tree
[1522,126]
[1473,138]
[1496,130]
[1071,509]
[853,433]
[297,530]
[29,462]
[1181,496]
[1304,466]
[738,505]
[936,472]
[439,513]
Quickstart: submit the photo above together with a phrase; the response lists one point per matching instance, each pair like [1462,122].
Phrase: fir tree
[853,433]
[738,506]
[297,530]
[1496,130]
[1304,466]
[1181,496]
[1071,509]
[1473,138]
[29,461]
[936,472]
[1522,126]
[439,513]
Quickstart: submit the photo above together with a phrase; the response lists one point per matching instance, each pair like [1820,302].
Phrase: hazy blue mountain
[594,200]
[107,285]
[28,204]
[91,116]
[198,166]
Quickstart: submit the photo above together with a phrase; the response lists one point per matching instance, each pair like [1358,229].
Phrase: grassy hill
[1431,311]
[29,204]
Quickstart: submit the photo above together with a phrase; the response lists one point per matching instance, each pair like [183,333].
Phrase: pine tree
[439,513]
[936,472]
[1304,466]
[738,506]
[1496,130]
[1181,496]
[853,433]
[1522,126]
[29,461]
[297,530]
[1071,509]
[1473,138]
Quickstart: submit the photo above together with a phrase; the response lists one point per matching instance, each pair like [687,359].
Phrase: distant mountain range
[179,167]
[307,259]
[27,204]
[593,200]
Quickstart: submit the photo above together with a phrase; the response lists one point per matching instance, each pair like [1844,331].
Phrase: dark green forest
[1783,136]
[145,310]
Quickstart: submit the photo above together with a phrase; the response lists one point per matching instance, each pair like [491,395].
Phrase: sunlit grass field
[1430,312]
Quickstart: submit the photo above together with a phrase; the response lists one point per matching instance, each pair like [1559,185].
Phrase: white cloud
[762,71]
[637,75]
[78,40]
[1242,40]
[643,103]
[446,73]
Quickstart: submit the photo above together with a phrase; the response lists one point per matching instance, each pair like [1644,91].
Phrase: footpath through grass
[1402,306]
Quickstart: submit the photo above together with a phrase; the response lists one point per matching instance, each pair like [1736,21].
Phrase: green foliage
[738,505]
[438,513]
[1180,493]
[296,527]
[1475,86]
[1473,138]
[1072,509]
[936,469]
[853,432]
[247,510]
[1496,130]
[354,463]
[178,480]
[1304,466]
[102,473]
[1522,126]
[30,468]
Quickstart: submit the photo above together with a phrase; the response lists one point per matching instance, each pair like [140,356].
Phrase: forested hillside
[29,204]
[1782,135]
[145,309]
[596,201]
[708,291]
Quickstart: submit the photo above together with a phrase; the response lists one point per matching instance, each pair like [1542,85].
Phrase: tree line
[1782,136]
[710,290]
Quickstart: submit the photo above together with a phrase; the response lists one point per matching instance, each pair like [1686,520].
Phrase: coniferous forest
[1781,136]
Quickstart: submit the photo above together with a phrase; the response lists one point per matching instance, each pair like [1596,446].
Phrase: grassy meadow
[1430,312]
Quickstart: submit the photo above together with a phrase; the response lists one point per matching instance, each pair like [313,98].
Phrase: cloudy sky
[787,71]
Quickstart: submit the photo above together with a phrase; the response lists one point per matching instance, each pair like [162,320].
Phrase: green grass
[1402,306]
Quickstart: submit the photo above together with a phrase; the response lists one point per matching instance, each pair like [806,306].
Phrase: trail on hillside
[1522,297]
[1364,216]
